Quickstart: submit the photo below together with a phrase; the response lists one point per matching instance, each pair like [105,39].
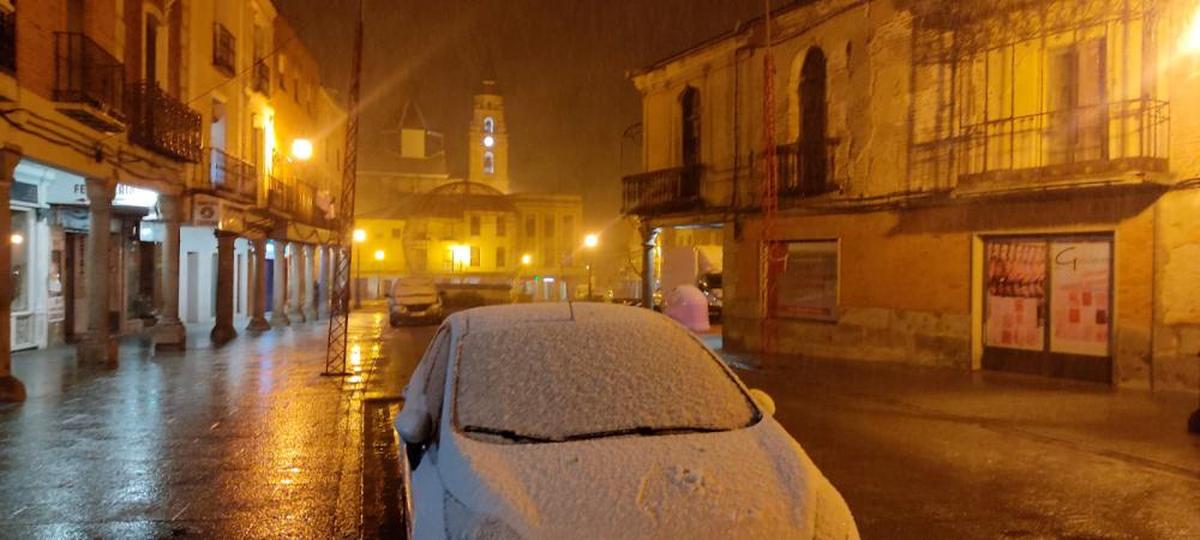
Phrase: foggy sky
[561,65]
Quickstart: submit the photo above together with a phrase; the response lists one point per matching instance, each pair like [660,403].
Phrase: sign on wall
[1079,294]
[807,284]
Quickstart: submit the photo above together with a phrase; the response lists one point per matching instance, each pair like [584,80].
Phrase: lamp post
[360,236]
[590,242]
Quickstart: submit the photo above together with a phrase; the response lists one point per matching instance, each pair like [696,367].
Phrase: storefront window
[805,280]
[20,260]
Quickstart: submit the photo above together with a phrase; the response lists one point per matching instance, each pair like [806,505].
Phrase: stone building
[419,220]
[997,185]
[155,122]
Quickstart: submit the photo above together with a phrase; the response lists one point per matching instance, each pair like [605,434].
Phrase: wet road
[246,441]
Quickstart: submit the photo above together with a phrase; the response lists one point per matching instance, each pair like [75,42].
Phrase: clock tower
[488,138]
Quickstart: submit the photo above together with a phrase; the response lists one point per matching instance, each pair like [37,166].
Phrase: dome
[465,187]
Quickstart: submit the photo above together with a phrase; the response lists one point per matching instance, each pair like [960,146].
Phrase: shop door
[74,291]
[1048,306]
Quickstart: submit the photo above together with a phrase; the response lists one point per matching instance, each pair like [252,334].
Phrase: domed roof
[465,187]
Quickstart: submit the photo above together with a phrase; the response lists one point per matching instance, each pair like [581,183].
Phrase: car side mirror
[413,424]
[764,401]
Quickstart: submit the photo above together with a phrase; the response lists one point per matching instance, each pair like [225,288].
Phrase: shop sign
[206,212]
[71,191]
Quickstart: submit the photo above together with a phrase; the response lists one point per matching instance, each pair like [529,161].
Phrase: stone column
[306,282]
[279,315]
[296,284]
[170,334]
[224,332]
[258,289]
[649,235]
[323,295]
[12,390]
[98,346]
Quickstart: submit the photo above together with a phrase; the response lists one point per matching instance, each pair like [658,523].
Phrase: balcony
[1096,142]
[161,123]
[224,50]
[806,169]
[662,192]
[281,195]
[88,82]
[230,176]
[261,80]
[8,42]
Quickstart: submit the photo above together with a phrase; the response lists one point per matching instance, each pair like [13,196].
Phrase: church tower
[488,138]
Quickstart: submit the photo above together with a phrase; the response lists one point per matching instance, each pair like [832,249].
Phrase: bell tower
[488,138]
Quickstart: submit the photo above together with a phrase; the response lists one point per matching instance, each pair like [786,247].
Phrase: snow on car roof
[535,372]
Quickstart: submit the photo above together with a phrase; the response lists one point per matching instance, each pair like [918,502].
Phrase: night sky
[561,66]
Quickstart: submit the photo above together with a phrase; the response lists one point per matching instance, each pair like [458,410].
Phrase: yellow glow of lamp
[461,254]
[379,254]
[489,141]
[591,241]
[302,149]
[1190,43]
[16,239]
[526,259]
[360,236]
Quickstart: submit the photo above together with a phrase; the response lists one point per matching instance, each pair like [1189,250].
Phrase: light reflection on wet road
[244,441]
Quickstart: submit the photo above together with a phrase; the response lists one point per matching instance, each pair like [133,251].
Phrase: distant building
[997,185]
[420,221]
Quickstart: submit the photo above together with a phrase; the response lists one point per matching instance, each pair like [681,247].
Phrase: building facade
[418,220]
[156,123]
[986,185]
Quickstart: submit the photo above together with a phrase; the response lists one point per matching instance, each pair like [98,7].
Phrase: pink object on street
[689,306]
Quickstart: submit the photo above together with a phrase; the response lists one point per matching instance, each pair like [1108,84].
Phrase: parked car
[414,301]
[598,421]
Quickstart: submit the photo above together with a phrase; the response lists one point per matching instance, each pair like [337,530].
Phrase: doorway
[193,287]
[1048,306]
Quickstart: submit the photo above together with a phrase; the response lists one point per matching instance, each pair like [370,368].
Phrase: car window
[435,384]
[558,381]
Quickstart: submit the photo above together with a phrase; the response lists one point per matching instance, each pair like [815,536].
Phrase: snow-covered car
[598,421]
[414,300]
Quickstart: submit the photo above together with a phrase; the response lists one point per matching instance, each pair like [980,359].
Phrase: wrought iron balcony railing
[806,169]
[89,79]
[1083,142]
[224,50]
[662,191]
[231,176]
[161,123]
[8,41]
[261,81]
[281,195]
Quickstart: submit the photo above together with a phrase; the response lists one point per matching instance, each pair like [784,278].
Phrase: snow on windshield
[558,380]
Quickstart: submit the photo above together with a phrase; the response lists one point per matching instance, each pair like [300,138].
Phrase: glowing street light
[526,259]
[302,149]
[1190,44]
[590,242]
[379,254]
[359,236]
[16,239]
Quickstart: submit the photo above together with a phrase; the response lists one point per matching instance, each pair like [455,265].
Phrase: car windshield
[406,288]
[559,381]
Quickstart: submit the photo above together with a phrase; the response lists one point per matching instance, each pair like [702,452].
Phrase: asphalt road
[939,454]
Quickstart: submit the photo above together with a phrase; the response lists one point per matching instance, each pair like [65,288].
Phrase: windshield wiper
[506,434]
[644,431]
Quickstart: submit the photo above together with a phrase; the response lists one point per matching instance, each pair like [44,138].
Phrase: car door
[419,459]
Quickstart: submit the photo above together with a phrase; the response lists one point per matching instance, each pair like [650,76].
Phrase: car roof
[506,316]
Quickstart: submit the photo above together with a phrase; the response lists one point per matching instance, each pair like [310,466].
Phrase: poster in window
[1016,290]
[1079,297]
[807,282]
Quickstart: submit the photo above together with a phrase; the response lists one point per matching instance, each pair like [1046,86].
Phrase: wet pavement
[250,441]
[244,441]
[929,453]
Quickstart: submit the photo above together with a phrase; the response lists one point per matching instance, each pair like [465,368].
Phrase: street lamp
[359,237]
[526,259]
[302,149]
[590,242]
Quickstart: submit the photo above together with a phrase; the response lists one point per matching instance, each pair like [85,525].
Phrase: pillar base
[258,324]
[297,316]
[222,334]
[170,336]
[279,318]
[97,351]
[310,314]
[12,390]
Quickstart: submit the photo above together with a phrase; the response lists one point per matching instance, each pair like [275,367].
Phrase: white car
[414,300]
[598,421]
